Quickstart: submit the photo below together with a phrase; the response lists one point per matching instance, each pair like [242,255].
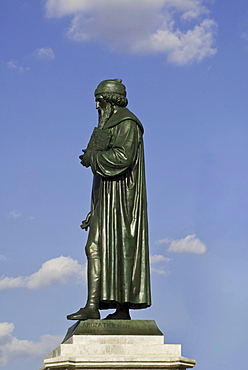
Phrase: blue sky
[185,66]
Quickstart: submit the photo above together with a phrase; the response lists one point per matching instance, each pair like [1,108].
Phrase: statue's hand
[86,223]
[85,158]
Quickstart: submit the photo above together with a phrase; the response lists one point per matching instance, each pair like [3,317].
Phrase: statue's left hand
[86,223]
[85,158]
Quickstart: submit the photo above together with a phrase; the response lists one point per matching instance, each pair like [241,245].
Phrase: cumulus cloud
[13,348]
[56,271]
[183,47]
[12,64]
[159,261]
[164,241]
[17,215]
[14,214]
[44,53]
[181,29]
[189,244]
[158,258]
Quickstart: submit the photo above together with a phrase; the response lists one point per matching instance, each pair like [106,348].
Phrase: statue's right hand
[85,158]
[86,223]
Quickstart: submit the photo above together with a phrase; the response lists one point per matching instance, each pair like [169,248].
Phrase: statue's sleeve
[121,155]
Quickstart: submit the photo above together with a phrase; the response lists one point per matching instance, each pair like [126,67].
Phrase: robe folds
[119,211]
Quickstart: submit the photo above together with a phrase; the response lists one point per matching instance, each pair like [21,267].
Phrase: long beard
[104,114]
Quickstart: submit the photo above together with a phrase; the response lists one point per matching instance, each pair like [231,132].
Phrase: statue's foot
[85,313]
[118,315]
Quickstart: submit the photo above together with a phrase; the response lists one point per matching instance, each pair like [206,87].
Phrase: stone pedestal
[116,344]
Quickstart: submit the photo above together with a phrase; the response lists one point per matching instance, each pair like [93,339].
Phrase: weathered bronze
[117,245]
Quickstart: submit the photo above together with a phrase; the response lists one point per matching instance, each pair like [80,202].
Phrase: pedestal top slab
[113,327]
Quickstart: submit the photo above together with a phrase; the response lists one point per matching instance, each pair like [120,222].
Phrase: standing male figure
[117,245]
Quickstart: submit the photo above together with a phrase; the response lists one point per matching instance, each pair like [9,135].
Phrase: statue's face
[100,103]
[100,106]
[105,110]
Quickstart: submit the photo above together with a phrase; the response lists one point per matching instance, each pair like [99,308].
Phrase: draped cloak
[119,211]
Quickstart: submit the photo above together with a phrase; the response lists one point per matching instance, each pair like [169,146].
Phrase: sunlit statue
[117,245]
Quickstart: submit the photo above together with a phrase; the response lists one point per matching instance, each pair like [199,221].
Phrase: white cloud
[180,29]
[12,64]
[2,257]
[44,53]
[164,241]
[13,348]
[17,215]
[56,271]
[161,271]
[189,244]
[183,47]
[5,329]
[158,259]
[14,214]
[190,9]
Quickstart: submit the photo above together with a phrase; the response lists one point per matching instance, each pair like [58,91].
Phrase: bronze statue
[117,245]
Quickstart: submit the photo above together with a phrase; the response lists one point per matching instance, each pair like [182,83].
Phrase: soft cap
[111,87]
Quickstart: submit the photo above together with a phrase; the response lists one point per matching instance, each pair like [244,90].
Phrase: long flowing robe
[119,211]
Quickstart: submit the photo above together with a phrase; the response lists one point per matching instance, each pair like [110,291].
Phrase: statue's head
[113,92]
[110,94]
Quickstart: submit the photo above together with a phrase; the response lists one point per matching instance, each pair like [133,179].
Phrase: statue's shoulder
[121,115]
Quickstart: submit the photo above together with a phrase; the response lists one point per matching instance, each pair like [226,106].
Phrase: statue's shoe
[85,313]
[118,315]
